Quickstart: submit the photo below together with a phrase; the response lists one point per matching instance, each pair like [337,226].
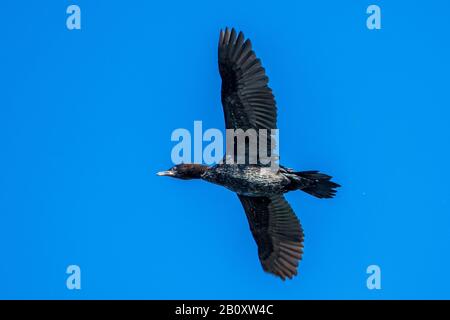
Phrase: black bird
[248,102]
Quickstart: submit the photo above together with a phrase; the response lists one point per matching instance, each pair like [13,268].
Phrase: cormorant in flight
[248,103]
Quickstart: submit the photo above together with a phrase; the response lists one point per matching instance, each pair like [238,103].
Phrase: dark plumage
[247,100]
[248,103]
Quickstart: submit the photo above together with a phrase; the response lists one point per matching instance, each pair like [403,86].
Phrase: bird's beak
[166,173]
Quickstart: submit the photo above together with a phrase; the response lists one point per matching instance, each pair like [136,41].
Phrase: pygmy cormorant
[248,103]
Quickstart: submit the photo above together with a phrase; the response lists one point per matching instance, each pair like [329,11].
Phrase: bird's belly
[249,181]
[255,187]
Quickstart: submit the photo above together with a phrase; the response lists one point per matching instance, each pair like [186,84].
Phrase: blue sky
[86,118]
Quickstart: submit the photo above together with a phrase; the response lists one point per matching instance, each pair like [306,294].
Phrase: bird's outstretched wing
[247,100]
[277,232]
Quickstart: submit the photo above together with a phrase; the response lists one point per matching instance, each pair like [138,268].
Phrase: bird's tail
[315,183]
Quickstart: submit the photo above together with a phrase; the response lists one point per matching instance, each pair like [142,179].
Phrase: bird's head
[184,171]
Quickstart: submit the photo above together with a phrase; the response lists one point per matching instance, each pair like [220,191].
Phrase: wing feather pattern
[277,232]
[247,100]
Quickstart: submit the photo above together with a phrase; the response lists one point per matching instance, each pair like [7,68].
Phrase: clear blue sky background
[86,118]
